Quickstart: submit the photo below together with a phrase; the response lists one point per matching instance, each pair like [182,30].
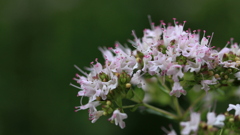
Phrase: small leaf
[135,108]
[138,94]
[129,94]
[189,76]
[118,101]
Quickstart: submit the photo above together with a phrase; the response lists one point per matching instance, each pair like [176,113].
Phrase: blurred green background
[41,40]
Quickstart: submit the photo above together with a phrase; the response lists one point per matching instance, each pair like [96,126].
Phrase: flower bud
[231,120]
[128,85]
[211,73]
[104,113]
[226,76]
[98,98]
[230,70]
[237,58]
[108,102]
[217,76]
[237,63]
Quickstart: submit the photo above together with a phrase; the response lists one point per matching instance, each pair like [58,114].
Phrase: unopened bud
[209,127]
[237,58]
[203,124]
[128,85]
[104,113]
[231,120]
[230,70]
[98,98]
[226,113]
[138,60]
[108,102]
[226,76]
[117,74]
[217,76]
[211,73]
[238,63]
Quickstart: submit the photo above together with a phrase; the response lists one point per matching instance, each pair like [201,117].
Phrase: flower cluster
[165,51]
[214,123]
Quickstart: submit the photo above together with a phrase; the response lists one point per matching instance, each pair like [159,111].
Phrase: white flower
[138,80]
[222,52]
[205,83]
[177,90]
[172,132]
[94,116]
[237,75]
[175,71]
[191,125]
[215,121]
[118,118]
[236,108]
[91,106]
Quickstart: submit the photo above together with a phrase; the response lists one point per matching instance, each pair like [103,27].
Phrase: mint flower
[191,125]
[118,118]
[94,116]
[177,90]
[235,107]
[215,120]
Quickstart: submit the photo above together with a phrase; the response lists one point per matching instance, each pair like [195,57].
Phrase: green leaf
[189,76]
[135,107]
[138,95]
[129,94]
[118,101]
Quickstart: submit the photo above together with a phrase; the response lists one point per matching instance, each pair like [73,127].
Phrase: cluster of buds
[165,51]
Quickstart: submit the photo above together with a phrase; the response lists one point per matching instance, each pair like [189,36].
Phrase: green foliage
[138,95]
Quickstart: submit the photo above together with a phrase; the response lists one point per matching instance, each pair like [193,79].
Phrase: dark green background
[41,40]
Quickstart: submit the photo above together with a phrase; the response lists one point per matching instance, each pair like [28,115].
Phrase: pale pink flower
[94,116]
[237,75]
[205,83]
[175,71]
[191,125]
[138,80]
[118,118]
[177,90]
[214,120]
[235,107]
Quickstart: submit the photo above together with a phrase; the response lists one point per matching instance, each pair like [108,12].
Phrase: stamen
[81,70]
[75,86]
[228,42]
[184,23]
[165,130]
[174,20]
[209,43]
[150,22]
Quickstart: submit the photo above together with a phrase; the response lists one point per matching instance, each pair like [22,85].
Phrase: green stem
[175,99]
[221,132]
[177,106]
[193,104]
[128,106]
[161,111]
[167,90]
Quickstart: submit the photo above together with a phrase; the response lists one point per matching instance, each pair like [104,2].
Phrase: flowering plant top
[174,59]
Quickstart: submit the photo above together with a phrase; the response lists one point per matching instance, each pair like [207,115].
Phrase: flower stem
[173,116]
[177,106]
[193,104]
[175,99]
[128,106]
